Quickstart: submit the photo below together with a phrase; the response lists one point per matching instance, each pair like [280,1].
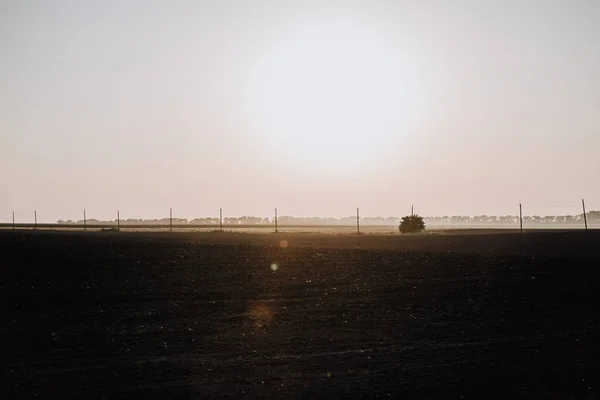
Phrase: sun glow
[332,95]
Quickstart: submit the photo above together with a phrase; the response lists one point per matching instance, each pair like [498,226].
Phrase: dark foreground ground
[133,315]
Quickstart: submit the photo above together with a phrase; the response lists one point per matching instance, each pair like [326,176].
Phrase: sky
[459,107]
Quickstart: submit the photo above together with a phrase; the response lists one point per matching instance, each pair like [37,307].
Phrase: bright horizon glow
[329,96]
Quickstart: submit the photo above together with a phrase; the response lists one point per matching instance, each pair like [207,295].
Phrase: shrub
[412,224]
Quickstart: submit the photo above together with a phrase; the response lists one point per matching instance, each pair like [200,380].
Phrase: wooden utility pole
[35,219]
[357,221]
[412,211]
[84,221]
[521,217]
[221,219]
[276,228]
[170,219]
[584,215]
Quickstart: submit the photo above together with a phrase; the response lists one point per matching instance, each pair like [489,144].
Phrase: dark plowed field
[133,315]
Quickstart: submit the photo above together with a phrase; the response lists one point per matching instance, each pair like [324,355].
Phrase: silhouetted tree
[412,224]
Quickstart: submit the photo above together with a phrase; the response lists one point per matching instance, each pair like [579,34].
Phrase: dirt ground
[468,314]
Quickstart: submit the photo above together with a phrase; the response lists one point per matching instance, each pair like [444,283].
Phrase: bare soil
[116,315]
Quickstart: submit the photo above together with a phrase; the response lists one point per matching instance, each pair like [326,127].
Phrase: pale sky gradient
[314,107]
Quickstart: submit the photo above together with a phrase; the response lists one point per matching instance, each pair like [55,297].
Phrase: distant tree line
[592,217]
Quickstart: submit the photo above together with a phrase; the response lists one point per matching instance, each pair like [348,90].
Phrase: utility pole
[170,220]
[84,221]
[412,211]
[35,219]
[118,220]
[521,217]
[276,220]
[357,221]
[13,220]
[221,219]
[584,215]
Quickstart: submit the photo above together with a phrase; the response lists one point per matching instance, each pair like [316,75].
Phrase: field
[466,314]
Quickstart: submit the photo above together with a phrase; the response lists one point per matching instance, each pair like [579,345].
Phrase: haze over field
[315,107]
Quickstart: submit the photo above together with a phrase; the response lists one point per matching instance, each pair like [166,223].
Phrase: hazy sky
[314,107]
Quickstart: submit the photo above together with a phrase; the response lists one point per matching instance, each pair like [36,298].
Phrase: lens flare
[274,267]
[261,313]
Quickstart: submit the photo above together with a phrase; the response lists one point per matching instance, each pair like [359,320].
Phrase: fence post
[221,219]
[521,217]
[84,221]
[275,220]
[584,216]
[357,221]
[170,220]
[35,219]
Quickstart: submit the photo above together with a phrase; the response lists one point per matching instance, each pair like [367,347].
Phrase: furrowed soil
[115,315]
